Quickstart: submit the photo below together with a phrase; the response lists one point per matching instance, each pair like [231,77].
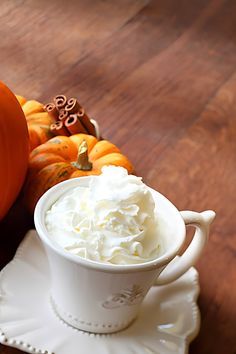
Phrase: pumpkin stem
[83,162]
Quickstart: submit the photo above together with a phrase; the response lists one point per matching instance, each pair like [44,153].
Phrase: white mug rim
[158,262]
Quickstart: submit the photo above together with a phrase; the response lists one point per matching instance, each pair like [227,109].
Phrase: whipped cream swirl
[113,220]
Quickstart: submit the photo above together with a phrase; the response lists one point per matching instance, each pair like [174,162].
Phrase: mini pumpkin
[38,121]
[14,149]
[62,158]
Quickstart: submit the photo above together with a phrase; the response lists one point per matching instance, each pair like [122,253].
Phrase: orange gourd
[62,157]
[38,121]
[14,148]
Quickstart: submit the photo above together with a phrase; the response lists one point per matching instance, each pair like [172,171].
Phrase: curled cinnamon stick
[73,124]
[60,101]
[58,128]
[52,110]
[63,115]
[69,117]
[84,119]
[72,106]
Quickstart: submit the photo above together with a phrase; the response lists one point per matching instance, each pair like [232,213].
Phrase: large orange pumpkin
[62,157]
[38,121]
[14,148]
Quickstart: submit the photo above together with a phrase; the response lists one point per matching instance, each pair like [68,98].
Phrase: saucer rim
[187,338]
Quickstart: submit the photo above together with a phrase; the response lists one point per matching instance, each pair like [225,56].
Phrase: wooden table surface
[160,78]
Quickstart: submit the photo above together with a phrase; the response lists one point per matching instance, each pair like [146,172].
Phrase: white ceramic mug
[105,298]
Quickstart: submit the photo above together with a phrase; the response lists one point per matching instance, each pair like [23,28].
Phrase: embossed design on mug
[127,297]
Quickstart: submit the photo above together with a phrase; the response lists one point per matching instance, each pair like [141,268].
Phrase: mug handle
[179,265]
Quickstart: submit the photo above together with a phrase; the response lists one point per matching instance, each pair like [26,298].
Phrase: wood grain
[160,78]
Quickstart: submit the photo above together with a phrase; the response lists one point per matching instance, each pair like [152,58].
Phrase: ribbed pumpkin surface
[14,148]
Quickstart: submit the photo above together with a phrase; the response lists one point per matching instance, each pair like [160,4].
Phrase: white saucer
[27,320]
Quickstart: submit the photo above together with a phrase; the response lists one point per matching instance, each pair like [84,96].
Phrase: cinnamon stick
[60,101]
[63,115]
[72,106]
[73,124]
[52,110]
[84,119]
[71,115]
[58,128]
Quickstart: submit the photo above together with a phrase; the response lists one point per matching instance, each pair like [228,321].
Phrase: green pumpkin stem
[83,162]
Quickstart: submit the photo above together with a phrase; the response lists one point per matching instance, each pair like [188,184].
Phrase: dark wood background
[160,78]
